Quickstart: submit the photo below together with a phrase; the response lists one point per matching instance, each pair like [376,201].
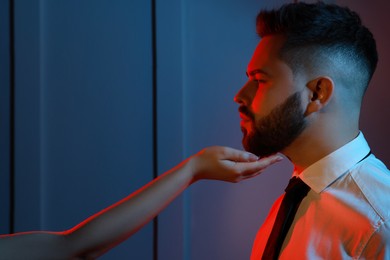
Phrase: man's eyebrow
[256,71]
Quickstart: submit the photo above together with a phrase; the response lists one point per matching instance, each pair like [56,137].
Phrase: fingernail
[278,158]
[252,157]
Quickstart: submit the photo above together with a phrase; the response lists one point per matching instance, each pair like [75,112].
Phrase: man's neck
[308,149]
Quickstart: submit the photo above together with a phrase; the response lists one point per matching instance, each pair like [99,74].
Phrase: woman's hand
[228,164]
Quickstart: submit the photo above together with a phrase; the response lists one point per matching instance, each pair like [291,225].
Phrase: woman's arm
[104,230]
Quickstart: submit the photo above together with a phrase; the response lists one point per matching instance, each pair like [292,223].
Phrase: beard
[277,130]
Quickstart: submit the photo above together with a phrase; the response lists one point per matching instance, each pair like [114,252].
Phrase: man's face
[270,102]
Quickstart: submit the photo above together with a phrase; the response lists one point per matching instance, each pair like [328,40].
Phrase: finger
[250,168]
[244,177]
[249,176]
[238,155]
[271,159]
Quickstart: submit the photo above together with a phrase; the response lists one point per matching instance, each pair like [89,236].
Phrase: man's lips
[244,113]
[244,117]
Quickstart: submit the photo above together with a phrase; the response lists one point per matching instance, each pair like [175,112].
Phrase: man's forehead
[267,51]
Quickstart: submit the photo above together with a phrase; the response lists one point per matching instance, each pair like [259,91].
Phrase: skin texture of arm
[104,230]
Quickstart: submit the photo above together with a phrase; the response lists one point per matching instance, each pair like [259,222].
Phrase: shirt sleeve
[378,247]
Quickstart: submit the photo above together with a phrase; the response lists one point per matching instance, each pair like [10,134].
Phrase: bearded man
[307,79]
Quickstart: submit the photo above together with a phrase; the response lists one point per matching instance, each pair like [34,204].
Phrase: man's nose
[243,96]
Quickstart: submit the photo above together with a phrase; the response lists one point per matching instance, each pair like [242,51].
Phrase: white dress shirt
[346,213]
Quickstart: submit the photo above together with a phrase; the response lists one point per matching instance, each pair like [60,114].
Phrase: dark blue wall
[83,122]
[5,115]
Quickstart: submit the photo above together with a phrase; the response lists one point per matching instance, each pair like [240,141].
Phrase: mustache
[244,110]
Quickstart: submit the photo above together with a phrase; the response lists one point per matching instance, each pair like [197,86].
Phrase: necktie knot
[297,186]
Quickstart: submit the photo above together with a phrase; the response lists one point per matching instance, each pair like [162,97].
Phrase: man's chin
[258,149]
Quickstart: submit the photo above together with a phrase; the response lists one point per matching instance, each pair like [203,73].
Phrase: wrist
[192,169]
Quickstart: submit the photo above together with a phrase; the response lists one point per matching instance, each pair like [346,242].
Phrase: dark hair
[311,29]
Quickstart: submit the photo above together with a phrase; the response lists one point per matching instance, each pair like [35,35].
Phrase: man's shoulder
[373,178]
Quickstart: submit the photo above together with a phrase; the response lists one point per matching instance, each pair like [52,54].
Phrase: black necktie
[296,190]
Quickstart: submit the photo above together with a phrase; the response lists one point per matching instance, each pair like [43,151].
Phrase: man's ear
[320,93]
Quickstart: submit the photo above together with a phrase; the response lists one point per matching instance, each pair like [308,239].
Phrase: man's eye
[260,81]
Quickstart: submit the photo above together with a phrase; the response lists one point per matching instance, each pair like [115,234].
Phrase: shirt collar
[325,171]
